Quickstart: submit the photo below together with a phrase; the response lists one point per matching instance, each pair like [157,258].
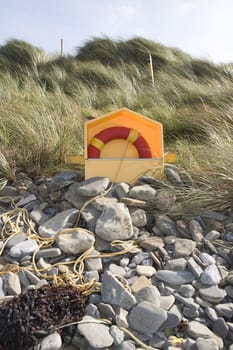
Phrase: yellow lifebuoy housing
[123,145]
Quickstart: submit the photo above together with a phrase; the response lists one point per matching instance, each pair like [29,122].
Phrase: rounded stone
[147,318]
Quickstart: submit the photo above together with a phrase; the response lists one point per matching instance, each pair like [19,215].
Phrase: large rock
[196,330]
[113,292]
[211,275]
[212,294]
[184,247]
[165,225]
[143,192]
[175,277]
[147,318]
[65,219]
[12,283]
[75,242]
[26,247]
[79,193]
[114,223]
[96,334]
[51,342]
[150,293]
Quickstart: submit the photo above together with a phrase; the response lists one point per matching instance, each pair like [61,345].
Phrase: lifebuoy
[118,132]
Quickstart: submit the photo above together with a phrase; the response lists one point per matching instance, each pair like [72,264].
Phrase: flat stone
[117,334]
[138,217]
[150,293]
[33,279]
[75,242]
[113,292]
[147,271]
[171,322]
[184,247]
[126,345]
[51,342]
[211,313]
[65,219]
[12,283]
[157,341]
[175,277]
[188,302]
[202,302]
[38,216]
[212,294]
[210,275]
[143,192]
[151,243]
[92,310]
[26,200]
[90,215]
[121,189]
[221,328]
[147,318]
[93,186]
[178,264]
[187,290]
[229,291]
[49,253]
[106,310]
[117,270]
[212,235]
[166,301]
[194,267]
[8,191]
[42,264]
[15,240]
[56,186]
[74,197]
[121,318]
[225,310]
[140,283]
[207,259]
[24,281]
[114,223]
[65,175]
[26,247]
[196,231]
[166,225]
[164,199]
[2,292]
[206,344]
[96,334]
[93,264]
[90,275]
[198,330]
[102,202]
[140,257]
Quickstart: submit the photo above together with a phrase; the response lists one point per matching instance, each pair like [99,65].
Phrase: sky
[201,28]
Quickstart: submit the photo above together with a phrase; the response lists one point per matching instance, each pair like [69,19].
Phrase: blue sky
[202,28]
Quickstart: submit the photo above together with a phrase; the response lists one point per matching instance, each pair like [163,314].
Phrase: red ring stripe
[119,132]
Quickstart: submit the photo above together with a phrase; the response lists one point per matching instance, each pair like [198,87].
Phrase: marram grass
[45,101]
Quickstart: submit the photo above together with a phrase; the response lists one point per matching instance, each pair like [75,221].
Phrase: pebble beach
[151,279]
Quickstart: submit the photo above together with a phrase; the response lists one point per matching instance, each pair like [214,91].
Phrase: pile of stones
[174,290]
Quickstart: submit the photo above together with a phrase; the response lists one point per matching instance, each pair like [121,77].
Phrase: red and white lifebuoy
[118,132]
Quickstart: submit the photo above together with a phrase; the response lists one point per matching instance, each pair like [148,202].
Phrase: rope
[16,218]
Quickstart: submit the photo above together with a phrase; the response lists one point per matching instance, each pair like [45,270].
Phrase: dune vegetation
[46,99]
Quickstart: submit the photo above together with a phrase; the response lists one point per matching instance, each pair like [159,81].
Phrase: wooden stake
[61,47]
[150,69]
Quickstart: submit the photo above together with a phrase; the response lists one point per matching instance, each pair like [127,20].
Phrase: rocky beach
[152,279]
